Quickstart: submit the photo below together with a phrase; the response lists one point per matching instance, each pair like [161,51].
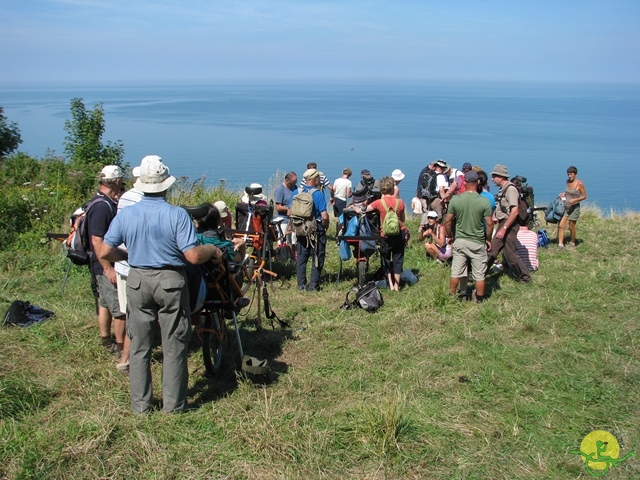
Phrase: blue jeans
[317,254]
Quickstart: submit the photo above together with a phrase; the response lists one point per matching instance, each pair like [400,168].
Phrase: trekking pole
[66,275]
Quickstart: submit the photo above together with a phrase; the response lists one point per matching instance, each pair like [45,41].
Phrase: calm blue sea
[247,133]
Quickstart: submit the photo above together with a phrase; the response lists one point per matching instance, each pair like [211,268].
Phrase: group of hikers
[140,246]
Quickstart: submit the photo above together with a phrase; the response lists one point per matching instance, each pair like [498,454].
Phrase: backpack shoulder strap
[348,304]
[384,204]
[91,203]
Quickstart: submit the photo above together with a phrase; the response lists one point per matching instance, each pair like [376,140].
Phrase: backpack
[524,212]
[350,230]
[23,314]
[367,247]
[367,297]
[429,185]
[555,211]
[391,224]
[459,179]
[543,238]
[302,221]
[77,243]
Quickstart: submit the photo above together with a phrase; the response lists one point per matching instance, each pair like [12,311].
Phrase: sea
[249,133]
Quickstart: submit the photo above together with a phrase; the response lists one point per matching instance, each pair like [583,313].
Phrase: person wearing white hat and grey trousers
[160,239]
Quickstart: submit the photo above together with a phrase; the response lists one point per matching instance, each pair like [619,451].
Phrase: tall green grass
[427,387]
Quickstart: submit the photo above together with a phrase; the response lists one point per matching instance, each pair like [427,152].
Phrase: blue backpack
[543,238]
[352,230]
[555,211]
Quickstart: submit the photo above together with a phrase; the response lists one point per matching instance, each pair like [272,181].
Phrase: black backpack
[429,185]
[23,314]
[525,213]
[367,297]
[77,243]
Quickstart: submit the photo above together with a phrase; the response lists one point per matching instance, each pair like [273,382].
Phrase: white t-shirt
[441,181]
[341,185]
[416,206]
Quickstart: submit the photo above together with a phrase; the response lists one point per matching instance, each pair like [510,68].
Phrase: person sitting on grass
[436,244]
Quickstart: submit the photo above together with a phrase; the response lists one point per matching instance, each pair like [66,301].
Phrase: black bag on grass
[23,314]
[367,297]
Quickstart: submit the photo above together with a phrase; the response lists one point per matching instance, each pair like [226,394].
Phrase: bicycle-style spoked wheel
[362,272]
[213,335]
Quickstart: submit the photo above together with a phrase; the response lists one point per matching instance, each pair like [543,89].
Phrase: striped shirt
[528,248]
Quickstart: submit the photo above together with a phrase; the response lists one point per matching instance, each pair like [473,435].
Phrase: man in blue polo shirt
[160,239]
[306,248]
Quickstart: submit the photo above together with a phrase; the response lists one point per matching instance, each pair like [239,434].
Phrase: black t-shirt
[99,217]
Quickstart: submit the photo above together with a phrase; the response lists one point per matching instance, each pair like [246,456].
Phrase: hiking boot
[112,348]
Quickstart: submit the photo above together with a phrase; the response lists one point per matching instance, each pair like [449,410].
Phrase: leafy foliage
[83,144]
[38,196]
[9,135]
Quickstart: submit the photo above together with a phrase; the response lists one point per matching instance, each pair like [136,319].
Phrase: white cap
[111,172]
[222,208]
[397,175]
[135,172]
[154,175]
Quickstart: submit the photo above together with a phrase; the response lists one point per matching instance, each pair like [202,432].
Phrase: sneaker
[571,246]
[497,268]
[560,247]
[123,368]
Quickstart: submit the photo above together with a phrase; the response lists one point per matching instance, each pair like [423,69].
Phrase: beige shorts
[463,249]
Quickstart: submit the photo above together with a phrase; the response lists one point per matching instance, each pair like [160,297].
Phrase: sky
[73,42]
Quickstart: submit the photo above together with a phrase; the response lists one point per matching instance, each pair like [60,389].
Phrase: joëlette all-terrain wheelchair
[360,234]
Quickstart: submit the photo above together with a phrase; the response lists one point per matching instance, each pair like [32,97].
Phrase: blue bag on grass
[543,238]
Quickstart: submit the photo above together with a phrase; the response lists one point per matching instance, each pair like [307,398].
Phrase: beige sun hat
[154,175]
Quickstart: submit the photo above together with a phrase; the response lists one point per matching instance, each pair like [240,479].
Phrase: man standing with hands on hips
[160,239]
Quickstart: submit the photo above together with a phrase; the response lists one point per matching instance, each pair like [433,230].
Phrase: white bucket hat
[397,175]
[154,175]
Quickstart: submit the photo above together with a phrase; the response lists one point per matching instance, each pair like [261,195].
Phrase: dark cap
[466,166]
[365,172]
[470,176]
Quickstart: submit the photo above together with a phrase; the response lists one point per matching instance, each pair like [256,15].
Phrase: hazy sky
[140,41]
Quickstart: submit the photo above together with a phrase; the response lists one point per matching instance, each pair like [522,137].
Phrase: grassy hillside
[425,388]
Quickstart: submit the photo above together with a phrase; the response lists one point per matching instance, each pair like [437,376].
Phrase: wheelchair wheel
[362,272]
[213,335]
